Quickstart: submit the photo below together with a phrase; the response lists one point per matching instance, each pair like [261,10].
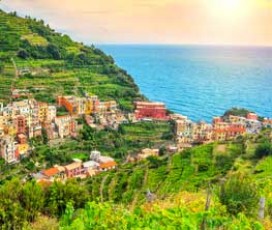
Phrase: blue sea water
[200,81]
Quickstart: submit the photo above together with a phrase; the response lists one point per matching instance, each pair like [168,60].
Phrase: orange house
[224,131]
[107,166]
[69,103]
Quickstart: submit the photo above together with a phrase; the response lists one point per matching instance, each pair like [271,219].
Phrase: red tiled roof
[108,165]
[50,172]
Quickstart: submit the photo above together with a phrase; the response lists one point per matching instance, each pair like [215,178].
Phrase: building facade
[150,110]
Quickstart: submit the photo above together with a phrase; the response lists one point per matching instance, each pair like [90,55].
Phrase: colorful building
[22,138]
[225,131]
[66,126]
[107,166]
[252,116]
[70,103]
[8,149]
[43,111]
[145,153]
[51,174]
[150,110]
[267,123]
[52,113]
[20,124]
[23,150]
[73,169]
[107,106]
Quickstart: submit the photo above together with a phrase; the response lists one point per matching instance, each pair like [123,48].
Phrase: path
[102,187]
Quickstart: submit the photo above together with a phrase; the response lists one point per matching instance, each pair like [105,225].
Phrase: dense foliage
[152,216]
[239,194]
[237,112]
[48,63]
[264,149]
[178,184]
[214,186]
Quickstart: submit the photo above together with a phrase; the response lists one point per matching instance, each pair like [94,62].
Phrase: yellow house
[23,149]
[43,112]
[91,105]
[88,106]
[10,130]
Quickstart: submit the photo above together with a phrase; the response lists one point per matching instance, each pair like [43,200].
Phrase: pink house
[73,169]
[252,116]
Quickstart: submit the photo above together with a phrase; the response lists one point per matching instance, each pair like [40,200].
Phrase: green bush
[239,194]
[263,150]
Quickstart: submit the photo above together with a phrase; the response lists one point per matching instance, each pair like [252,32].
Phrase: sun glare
[229,4]
[230,9]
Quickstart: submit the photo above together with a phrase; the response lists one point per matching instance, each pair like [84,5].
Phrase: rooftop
[145,103]
[50,172]
[72,166]
[90,164]
[108,165]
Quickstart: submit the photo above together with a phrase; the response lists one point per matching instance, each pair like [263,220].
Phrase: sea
[200,81]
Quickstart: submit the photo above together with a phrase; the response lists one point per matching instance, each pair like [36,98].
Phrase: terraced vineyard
[214,186]
[189,171]
[36,58]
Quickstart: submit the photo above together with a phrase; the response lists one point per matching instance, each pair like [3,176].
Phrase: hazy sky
[235,22]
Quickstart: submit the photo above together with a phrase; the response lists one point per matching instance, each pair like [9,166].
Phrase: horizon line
[182,44]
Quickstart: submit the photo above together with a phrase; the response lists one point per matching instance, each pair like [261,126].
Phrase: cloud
[152,21]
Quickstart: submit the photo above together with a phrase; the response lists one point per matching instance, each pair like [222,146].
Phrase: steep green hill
[230,174]
[190,170]
[214,186]
[36,58]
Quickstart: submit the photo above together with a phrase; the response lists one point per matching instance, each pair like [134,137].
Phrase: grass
[187,171]
[80,156]
[264,168]
[81,68]
[35,40]
[146,131]
[55,78]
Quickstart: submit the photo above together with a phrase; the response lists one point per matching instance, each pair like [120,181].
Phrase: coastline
[188,78]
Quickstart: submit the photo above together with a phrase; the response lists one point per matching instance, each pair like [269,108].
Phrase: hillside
[212,186]
[34,57]
[191,170]
[231,174]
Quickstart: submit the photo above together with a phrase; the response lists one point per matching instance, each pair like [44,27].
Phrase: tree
[239,194]
[237,112]
[59,195]
[154,162]
[263,150]
[11,212]
[23,54]
[32,200]
[2,66]
[54,51]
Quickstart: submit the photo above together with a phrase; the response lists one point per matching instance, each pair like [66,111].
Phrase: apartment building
[42,111]
[225,131]
[66,126]
[8,149]
[150,110]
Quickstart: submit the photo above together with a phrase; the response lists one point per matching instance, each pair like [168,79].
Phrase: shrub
[239,194]
[263,150]
[23,54]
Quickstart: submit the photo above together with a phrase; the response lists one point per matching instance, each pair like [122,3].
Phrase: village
[23,120]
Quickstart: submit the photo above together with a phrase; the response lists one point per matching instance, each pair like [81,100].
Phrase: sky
[212,22]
